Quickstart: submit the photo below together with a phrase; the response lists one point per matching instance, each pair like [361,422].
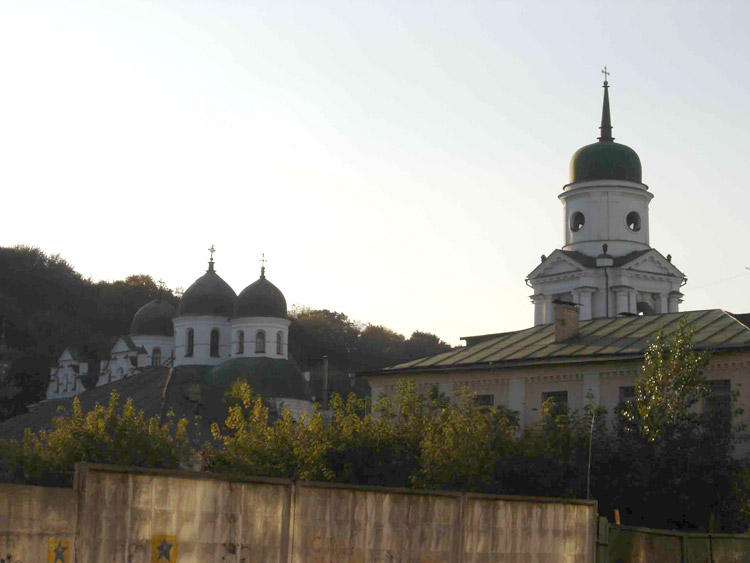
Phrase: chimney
[566,320]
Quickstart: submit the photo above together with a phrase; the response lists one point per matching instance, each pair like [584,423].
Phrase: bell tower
[606,264]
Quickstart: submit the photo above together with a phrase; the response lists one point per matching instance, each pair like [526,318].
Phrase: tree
[422,344]
[378,347]
[111,434]
[670,385]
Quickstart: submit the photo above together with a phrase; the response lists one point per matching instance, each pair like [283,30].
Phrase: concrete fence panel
[132,517]
[532,530]
[334,524]
[37,523]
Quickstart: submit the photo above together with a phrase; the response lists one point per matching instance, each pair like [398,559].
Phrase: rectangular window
[560,399]
[485,400]
[719,399]
[627,394]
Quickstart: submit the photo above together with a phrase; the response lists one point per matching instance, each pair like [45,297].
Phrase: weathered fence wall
[36,523]
[133,516]
[499,529]
[626,544]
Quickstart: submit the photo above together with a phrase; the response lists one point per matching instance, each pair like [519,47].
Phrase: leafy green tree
[111,434]
[422,344]
[671,383]
[378,347]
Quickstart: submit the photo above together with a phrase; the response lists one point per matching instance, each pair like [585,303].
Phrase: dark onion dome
[605,160]
[153,319]
[268,377]
[261,299]
[209,295]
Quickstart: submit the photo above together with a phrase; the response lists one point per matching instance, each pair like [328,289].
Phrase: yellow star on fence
[163,548]
[58,551]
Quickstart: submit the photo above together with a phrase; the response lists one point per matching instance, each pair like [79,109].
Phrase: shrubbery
[663,462]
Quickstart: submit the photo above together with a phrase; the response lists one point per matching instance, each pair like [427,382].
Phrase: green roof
[597,340]
[269,377]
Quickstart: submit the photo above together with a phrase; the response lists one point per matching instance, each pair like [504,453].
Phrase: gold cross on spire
[263,265]
[212,250]
[606,74]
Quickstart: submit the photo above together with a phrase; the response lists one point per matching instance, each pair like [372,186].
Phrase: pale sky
[396,161]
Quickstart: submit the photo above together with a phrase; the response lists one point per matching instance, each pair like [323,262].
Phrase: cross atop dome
[263,265]
[606,127]
[211,260]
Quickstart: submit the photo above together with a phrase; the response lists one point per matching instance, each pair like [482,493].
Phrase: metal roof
[597,339]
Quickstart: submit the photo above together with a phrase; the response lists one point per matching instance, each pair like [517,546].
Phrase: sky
[399,161]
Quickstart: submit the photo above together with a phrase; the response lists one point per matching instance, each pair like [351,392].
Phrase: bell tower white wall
[611,212]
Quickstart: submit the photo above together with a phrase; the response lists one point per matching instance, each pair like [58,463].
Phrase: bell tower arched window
[156,356]
[215,343]
[260,342]
[279,343]
[241,342]
[190,345]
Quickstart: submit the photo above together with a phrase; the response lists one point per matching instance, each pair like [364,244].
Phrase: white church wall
[605,205]
[202,327]
[250,326]
[149,342]
[65,377]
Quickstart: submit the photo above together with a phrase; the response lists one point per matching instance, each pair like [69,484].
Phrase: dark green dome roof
[153,319]
[605,160]
[268,377]
[209,295]
[261,299]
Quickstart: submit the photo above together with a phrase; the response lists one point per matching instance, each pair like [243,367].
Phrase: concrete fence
[129,515]
[629,544]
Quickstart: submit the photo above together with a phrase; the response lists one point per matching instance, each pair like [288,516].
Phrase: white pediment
[653,263]
[556,264]
[121,346]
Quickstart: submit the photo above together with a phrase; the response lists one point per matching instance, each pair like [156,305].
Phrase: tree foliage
[106,434]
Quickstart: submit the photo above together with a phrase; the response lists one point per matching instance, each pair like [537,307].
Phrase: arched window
[241,342]
[119,373]
[260,342]
[190,346]
[156,356]
[215,343]
[279,343]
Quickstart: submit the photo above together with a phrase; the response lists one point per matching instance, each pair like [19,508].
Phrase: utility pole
[325,382]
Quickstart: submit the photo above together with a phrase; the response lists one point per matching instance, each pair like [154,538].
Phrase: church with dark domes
[245,335]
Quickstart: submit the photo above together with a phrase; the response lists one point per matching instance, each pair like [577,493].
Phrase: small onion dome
[261,299]
[153,319]
[209,295]
[605,160]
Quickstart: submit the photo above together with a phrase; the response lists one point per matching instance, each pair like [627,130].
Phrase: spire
[606,127]
[263,266]
[211,260]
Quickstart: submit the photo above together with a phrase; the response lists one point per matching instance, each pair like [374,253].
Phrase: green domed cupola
[605,160]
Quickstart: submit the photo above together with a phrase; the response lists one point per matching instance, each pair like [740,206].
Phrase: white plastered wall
[202,327]
[250,326]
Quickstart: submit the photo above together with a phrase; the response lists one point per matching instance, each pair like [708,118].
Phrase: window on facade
[577,221]
[719,400]
[241,342]
[119,373]
[190,345]
[279,343]
[485,400]
[156,357]
[627,394]
[260,342]
[559,400]
[214,349]
[633,221]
